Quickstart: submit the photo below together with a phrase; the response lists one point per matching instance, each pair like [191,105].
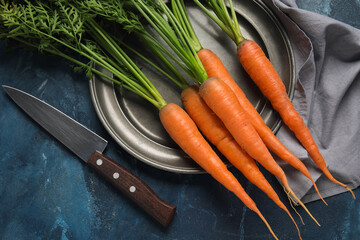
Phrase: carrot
[266,78]
[214,130]
[184,132]
[221,99]
[262,72]
[177,38]
[215,68]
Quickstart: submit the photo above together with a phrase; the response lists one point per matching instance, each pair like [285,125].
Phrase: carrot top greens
[122,13]
[176,36]
[179,10]
[62,29]
[220,15]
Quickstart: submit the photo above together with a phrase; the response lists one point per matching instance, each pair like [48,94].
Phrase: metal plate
[134,123]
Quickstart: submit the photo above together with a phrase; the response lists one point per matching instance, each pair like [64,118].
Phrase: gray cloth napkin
[327,96]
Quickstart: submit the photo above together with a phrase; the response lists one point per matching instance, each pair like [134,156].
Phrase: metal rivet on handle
[116,175]
[99,162]
[132,189]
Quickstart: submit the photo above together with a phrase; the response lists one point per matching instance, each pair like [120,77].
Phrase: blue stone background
[46,193]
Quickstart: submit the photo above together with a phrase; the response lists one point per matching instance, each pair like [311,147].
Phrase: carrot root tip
[318,192]
[352,193]
[266,223]
[302,205]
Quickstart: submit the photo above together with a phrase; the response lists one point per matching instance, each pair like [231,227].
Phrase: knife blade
[88,146]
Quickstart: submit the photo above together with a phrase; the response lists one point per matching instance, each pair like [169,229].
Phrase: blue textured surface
[46,193]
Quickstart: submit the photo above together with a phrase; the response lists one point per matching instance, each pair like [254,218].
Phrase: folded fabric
[327,96]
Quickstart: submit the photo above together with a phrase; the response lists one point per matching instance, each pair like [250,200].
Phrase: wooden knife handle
[133,187]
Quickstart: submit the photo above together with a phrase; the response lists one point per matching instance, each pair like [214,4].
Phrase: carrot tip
[342,184]
[347,188]
[266,223]
[302,204]
[318,192]
[292,219]
[291,201]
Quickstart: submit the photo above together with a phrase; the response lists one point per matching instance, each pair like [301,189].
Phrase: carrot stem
[229,24]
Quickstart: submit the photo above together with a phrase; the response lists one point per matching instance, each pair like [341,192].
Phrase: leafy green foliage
[165,23]
[111,10]
[61,28]
[221,16]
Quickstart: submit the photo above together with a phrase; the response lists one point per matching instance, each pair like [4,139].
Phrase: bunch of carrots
[261,71]
[214,104]
[221,110]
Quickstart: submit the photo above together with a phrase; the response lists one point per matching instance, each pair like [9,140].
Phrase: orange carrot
[260,69]
[178,40]
[215,68]
[214,130]
[184,132]
[221,99]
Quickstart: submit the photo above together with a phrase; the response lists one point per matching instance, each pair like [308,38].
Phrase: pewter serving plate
[134,123]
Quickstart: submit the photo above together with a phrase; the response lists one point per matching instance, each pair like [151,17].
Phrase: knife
[88,146]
